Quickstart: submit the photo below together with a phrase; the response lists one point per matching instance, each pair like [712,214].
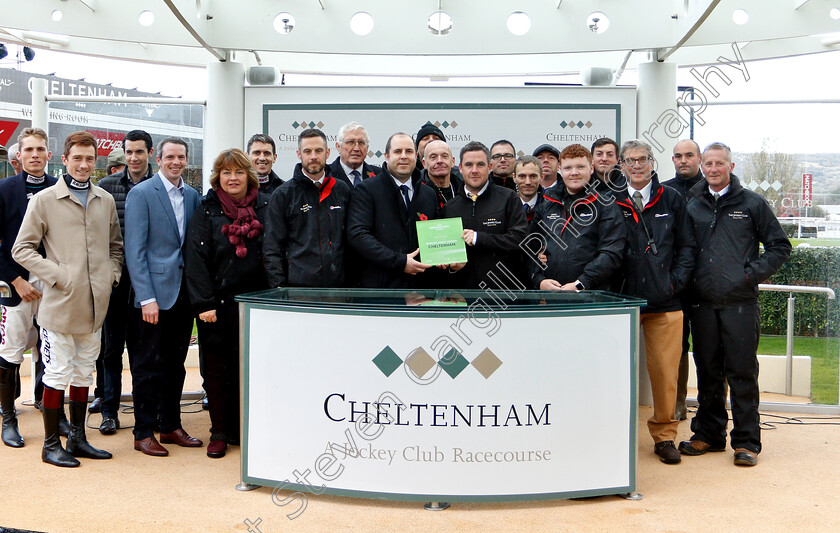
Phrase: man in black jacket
[579,231]
[120,328]
[656,266]
[605,163]
[729,222]
[263,154]
[502,161]
[494,225]
[384,211]
[352,145]
[18,330]
[307,217]
[438,175]
[686,160]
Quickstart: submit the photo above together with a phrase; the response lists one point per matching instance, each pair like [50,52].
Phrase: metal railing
[790,289]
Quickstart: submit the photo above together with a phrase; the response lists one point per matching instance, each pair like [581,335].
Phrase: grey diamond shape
[588,124]
[764,185]
[777,185]
[753,185]
[320,124]
[486,363]
[453,124]
[420,362]
[437,123]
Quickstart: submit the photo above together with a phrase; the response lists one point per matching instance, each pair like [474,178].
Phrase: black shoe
[745,457]
[38,405]
[53,453]
[667,453]
[698,447]
[205,403]
[77,444]
[109,425]
[95,406]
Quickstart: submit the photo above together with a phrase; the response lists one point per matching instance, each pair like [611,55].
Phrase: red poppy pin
[421,216]
[371,174]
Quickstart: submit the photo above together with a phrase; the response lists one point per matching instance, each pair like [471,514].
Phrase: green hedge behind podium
[815,314]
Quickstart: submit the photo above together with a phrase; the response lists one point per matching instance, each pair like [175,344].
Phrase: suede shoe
[109,425]
[745,457]
[216,449]
[181,438]
[667,453]
[698,447]
[150,446]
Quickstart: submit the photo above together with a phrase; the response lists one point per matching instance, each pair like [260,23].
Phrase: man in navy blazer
[18,331]
[382,220]
[157,213]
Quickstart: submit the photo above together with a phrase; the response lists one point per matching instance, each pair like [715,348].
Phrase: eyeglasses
[636,161]
[496,157]
[351,142]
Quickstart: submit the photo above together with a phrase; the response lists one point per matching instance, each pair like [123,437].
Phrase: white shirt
[399,184]
[531,203]
[720,192]
[644,190]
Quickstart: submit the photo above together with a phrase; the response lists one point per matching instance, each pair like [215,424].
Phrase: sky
[800,128]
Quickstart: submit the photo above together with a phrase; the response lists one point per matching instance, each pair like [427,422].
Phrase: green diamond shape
[445,124]
[564,124]
[453,363]
[378,153]
[580,123]
[311,124]
[295,124]
[387,361]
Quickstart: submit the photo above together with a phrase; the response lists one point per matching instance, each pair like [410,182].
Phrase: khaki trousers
[663,348]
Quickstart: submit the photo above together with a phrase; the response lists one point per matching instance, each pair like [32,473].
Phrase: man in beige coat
[78,226]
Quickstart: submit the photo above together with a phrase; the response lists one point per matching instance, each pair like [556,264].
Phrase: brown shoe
[181,438]
[745,457]
[698,447]
[667,453]
[151,446]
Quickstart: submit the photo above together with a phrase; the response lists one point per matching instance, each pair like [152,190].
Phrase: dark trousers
[118,331]
[157,371]
[219,343]
[682,379]
[725,346]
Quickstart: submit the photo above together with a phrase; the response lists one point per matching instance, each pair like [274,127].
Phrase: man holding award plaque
[494,224]
[382,220]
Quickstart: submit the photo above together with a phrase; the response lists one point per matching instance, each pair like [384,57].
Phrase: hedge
[814,314]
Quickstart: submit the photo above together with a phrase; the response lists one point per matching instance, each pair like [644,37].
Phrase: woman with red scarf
[223,254]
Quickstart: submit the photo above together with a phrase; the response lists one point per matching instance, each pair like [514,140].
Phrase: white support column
[40,107]
[224,115]
[658,121]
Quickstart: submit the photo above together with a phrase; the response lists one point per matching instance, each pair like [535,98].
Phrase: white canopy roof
[563,36]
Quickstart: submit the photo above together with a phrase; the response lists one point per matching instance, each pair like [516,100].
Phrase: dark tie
[404,189]
[528,208]
[637,199]
[716,196]
[357,178]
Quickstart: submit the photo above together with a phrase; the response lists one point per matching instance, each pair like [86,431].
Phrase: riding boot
[77,444]
[11,435]
[53,453]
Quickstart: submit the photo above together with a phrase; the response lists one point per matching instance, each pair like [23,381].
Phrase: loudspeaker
[597,76]
[262,75]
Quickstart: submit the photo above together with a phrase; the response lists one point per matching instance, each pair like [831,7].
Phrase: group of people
[572,220]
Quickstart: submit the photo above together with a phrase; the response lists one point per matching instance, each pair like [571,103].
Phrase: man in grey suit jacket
[157,212]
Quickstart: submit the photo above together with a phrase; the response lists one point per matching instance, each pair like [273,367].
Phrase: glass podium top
[393,299]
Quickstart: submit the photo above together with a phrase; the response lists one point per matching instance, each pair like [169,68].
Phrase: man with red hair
[579,231]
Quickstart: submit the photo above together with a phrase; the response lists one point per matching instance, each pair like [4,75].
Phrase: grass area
[824,353]
[817,242]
